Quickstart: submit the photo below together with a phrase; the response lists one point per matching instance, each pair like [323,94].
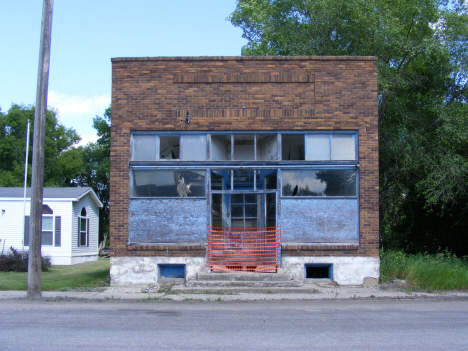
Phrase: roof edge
[245,58]
[93,195]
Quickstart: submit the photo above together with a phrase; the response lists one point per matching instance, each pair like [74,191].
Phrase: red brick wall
[244,93]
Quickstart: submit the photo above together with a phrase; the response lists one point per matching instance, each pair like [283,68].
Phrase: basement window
[171,272]
[318,271]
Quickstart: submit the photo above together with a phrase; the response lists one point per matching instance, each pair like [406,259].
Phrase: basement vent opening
[171,272]
[319,271]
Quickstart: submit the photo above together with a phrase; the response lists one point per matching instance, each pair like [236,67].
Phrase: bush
[17,261]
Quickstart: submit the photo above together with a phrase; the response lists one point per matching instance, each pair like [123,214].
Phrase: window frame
[232,134]
[52,231]
[317,168]
[80,231]
[163,169]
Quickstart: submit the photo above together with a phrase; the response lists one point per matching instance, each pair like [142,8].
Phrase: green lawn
[83,277]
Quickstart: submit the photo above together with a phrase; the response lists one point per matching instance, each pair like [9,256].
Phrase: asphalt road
[194,325]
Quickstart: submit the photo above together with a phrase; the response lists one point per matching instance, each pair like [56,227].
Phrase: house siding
[12,228]
[90,252]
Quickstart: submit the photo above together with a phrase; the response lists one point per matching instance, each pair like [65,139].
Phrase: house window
[47,230]
[51,228]
[83,229]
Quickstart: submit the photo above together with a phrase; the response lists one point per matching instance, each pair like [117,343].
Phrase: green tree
[62,162]
[422,48]
[96,171]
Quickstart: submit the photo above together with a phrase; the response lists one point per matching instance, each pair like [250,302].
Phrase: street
[217,325]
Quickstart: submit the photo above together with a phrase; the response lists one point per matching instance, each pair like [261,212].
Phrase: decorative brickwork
[244,94]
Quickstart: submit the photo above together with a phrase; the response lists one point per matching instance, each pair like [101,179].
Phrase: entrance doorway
[243,235]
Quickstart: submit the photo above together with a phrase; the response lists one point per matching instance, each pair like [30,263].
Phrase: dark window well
[318,271]
[151,183]
[319,182]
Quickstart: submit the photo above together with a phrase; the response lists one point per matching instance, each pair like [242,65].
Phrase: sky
[86,34]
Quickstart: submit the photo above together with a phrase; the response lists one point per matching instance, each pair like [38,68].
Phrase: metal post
[37,180]
[25,175]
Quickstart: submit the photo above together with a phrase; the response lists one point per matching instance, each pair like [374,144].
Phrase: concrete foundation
[144,270]
[346,270]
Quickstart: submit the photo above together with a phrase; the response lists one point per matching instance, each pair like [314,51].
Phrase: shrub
[17,261]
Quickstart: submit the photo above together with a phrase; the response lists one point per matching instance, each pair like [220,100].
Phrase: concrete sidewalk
[180,293]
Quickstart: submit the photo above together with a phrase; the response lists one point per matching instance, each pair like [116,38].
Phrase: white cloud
[85,139]
[77,112]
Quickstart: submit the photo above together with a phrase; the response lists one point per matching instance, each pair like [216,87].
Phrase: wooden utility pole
[37,180]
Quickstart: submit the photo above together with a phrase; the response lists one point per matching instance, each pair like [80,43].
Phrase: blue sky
[86,34]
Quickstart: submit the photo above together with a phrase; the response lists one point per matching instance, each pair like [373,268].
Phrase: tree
[422,48]
[96,171]
[62,161]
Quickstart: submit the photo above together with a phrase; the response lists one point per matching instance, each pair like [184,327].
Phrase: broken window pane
[144,147]
[193,147]
[323,182]
[267,147]
[318,147]
[292,147]
[169,147]
[343,147]
[220,147]
[168,183]
[244,147]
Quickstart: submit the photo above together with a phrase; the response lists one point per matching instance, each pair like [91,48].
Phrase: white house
[70,223]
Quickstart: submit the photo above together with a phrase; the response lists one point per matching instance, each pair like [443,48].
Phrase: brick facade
[244,94]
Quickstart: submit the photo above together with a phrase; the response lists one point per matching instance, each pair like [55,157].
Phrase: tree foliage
[96,170]
[65,164]
[422,48]
[61,160]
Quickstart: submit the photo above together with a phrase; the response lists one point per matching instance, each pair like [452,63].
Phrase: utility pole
[37,180]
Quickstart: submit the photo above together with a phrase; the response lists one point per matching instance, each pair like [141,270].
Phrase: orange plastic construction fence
[248,250]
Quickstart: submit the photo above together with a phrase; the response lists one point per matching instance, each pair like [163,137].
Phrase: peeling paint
[319,221]
[167,221]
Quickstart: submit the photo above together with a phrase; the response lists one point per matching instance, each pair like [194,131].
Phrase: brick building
[252,164]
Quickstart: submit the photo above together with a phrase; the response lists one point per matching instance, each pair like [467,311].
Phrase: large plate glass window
[168,183]
[319,182]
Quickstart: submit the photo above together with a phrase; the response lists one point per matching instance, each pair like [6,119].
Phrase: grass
[440,272]
[62,278]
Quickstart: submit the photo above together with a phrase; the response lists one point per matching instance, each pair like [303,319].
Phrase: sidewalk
[179,293]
